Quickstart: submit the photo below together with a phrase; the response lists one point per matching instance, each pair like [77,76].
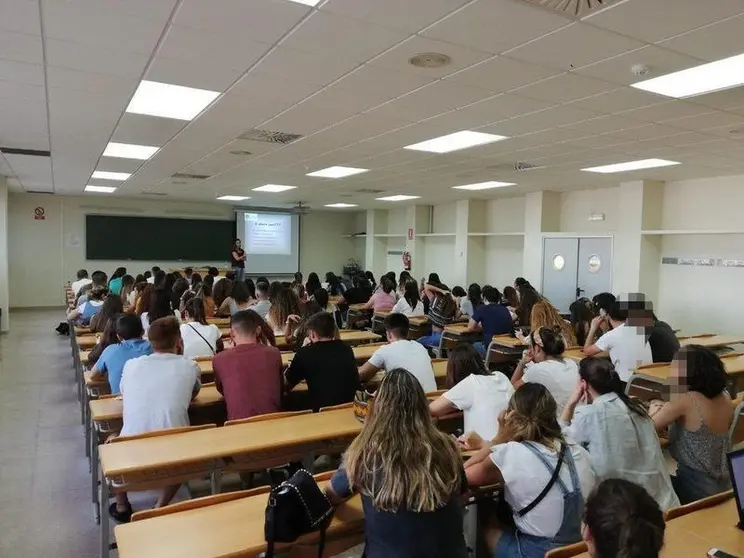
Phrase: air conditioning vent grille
[369,191]
[269,136]
[573,8]
[188,176]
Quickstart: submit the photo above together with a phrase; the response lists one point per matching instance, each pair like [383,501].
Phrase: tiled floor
[45,507]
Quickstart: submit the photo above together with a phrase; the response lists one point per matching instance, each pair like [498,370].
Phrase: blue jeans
[431,340]
[239,273]
[691,485]
[481,348]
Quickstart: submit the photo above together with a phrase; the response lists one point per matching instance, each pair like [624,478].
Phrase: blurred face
[237,244]
[678,376]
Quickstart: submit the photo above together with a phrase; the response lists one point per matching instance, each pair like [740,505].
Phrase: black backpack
[295,507]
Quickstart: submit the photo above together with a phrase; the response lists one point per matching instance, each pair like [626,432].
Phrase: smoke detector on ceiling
[429,60]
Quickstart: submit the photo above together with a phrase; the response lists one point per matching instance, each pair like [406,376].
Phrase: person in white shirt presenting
[156,391]
[478,393]
[400,353]
[628,345]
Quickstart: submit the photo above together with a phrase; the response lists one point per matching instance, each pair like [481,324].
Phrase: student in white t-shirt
[158,307]
[400,353]
[544,364]
[409,304]
[82,280]
[525,455]
[628,345]
[156,392]
[200,339]
[478,393]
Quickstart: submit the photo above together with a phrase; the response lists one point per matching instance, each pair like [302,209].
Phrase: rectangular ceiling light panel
[170,101]
[455,142]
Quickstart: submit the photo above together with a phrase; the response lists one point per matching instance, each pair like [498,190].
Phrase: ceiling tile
[730,99]
[379,83]
[712,42]
[617,100]
[397,57]
[330,34]
[564,88]
[20,16]
[146,130]
[14,93]
[708,120]
[92,59]
[19,47]
[495,25]
[18,72]
[410,16]
[668,110]
[262,20]
[619,68]
[654,20]
[91,23]
[648,131]
[566,48]
[286,63]
[500,74]
[536,121]
[213,77]
[74,80]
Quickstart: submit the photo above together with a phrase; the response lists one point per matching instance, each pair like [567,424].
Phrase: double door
[575,267]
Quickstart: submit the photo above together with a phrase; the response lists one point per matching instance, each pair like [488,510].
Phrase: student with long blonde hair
[544,314]
[409,475]
[545,479]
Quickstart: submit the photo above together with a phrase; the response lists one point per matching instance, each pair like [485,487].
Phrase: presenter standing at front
[237,258]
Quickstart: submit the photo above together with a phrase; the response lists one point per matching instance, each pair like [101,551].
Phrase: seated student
[384,299]
[617,432]
[622,521]
[321,297]
[110,364]
[626,344]
[82,281]
[510,299]
[144,296]
[409,304]
[544,364]
[262,305]
[443,311]
[114,284]
[296,336]
[333,284]
[239,299]
[661,337]
[205,295]
[98,279]
[112,306]
[156,390]
[147,275]
[524,457]
[154,271]
[327,364]
[285,312]
[404,277]
[360,291]
[473,300]
[83,313]
[178,293]
[159,279]
[409,475]
[601,304]
[544,314]
[250,374]
[400,353]
[160,307]
[188,273]
[108,337]
[297,280]
[699,416]
[478,393]
[528,297]
[200,339]
[491,318]
[127,292]
[313,283]
[220,292]
[581,319]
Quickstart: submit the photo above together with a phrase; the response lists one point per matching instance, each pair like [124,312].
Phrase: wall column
[4,270]
[375,247]
[460,265]
[542,214]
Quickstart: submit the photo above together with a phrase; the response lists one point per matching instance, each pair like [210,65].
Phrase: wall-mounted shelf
[496,234]
[435,234]
[388,236]
[663,232]
[353,236]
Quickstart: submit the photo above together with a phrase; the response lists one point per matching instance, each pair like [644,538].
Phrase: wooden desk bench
[711,341]
[419,326]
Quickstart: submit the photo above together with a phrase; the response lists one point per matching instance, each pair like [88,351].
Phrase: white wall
[502,215]
[504,260]
[439,255]
[43,255]
[4,271]
[577,206]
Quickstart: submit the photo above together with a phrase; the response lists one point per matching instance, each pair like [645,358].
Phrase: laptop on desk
[736,472]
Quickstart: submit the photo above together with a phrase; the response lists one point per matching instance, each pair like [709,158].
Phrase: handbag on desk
[296,507]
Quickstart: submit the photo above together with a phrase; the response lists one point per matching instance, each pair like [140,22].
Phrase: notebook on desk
[736,472]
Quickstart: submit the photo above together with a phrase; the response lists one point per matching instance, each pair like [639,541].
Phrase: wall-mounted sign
[39,214]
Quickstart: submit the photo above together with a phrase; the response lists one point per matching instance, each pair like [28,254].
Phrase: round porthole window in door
[559,262]
[595,263]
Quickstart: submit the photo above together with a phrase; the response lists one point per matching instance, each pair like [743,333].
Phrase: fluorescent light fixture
[306,2]
[454,142]
[398,198]
[170,101]
[130,151]
[706,78]
[274,188]
[484,185]
[106,175]
[233,198]
[100,189]
[337,172]
[632,165]
[341,205]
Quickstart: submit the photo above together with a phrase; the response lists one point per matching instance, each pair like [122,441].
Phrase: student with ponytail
[616,430]
[249,375]
[544,364]
[622,520]
[544,478]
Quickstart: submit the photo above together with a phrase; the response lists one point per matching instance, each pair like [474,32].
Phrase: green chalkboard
[110,237]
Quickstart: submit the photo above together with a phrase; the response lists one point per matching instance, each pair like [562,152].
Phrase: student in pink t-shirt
[384,299]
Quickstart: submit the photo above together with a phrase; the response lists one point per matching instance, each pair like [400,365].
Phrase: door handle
[579,290]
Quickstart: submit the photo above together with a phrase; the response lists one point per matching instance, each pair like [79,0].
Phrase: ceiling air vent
[369,191]
[519,166]
[187,176]
[47,192]
[573,8]
[18,151]
[268,136]
[154,194]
